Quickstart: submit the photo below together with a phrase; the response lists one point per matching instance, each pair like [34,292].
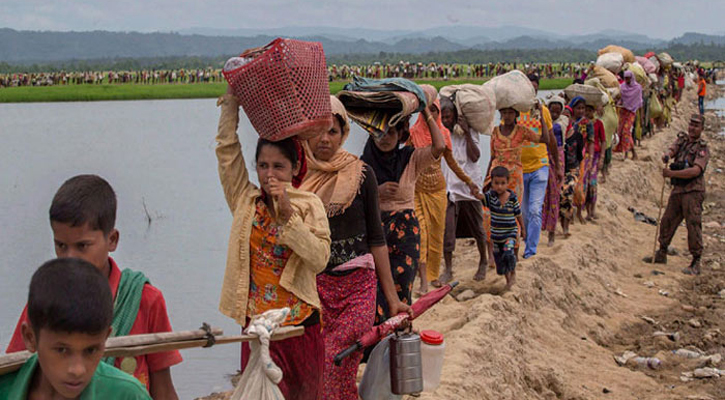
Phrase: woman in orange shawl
[430,193]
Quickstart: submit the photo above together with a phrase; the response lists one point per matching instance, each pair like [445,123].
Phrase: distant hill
[28,47]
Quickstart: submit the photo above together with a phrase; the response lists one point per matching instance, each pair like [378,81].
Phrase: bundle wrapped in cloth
[513,90]
[592,95]
[627,54]
[665,59]
[283,88]
[376,105]
[639,73]
[648,66]
[476,103]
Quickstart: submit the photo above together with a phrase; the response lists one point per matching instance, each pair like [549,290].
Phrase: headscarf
[388,166]
[576,100]
[337,181]
[631,92]
[420,133]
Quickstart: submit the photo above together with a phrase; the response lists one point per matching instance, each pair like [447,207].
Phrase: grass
[107,92]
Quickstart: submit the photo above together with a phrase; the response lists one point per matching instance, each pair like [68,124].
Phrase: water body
[158,155]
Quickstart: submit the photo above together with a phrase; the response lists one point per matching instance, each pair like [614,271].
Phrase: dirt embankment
[580,303]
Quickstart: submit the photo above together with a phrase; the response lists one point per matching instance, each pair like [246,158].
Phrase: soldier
[690,155]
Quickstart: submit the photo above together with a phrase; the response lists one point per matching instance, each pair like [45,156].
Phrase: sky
[663,19]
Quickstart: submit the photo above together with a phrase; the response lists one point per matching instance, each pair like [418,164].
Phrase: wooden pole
[136,345]
[659,218]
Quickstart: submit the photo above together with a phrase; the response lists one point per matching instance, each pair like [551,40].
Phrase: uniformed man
[689,154]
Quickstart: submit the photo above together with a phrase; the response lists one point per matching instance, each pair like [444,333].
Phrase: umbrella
[394,323]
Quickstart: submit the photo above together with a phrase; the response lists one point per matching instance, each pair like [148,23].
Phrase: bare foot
[480,274]
[552,239]
[445,277]
[581,219]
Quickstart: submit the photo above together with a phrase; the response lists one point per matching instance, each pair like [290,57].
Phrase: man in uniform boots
[689,155]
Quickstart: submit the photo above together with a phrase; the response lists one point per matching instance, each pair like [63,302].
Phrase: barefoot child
[70,309]
[82,218]
[505,213]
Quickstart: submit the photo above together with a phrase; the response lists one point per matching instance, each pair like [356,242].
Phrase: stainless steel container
[406,370]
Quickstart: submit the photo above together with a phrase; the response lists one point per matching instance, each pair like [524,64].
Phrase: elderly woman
[630,101]
[397,170]
[358,254]
[430,194]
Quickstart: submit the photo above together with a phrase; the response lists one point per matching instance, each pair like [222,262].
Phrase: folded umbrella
[396,322]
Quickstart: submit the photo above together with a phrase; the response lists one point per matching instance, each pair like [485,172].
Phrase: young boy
[505,212]
[70,309]
[82,218]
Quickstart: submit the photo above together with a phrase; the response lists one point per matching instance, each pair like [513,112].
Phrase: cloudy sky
[657,18]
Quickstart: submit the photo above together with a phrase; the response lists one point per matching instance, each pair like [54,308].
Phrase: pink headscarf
[631,92]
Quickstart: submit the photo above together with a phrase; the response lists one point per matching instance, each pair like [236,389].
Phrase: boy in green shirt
[70,309]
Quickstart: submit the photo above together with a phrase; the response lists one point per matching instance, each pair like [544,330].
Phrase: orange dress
[506,152]
[268,260]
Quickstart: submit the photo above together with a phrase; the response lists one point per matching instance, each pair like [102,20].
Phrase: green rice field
[107,92]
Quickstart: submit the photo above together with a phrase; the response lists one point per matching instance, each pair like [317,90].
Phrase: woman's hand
[278,191]
[398,307]
[388,189]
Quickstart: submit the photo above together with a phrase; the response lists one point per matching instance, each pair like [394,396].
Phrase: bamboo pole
[136,345]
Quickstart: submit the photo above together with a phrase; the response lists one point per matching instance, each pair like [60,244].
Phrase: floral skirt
[402,234]
[592,179]
[550,212]
[566,200]
[348,312]
[626,122]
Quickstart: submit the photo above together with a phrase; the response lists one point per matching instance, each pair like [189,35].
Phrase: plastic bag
[260,378]
[611,61]
[513,90]
[474,102]
[375,384]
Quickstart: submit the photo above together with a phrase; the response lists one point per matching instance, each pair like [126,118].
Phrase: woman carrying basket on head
[279,242]
[397,170]
[358,257]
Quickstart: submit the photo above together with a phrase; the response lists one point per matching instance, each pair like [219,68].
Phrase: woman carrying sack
[358,253]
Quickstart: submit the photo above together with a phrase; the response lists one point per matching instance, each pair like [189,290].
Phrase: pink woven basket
[284,90]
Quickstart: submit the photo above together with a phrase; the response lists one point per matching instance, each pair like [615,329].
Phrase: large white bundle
[592,96]
[477,103]
[611,61]
[653,78]
[513,90]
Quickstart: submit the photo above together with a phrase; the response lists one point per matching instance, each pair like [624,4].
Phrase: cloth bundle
[376,105]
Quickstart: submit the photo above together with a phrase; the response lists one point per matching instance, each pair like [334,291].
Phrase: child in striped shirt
[505,212]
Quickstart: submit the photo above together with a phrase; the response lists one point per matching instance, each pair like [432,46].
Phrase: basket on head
[284,89]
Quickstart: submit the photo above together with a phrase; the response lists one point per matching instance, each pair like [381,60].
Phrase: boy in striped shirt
[505,213]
